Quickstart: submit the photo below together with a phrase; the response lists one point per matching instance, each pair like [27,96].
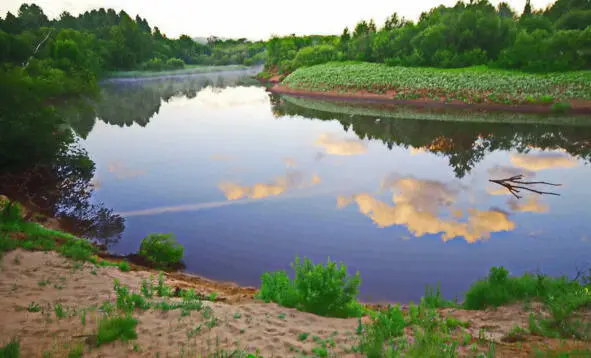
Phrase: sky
[254,19]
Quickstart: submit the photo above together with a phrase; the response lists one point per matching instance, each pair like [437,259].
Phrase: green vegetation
[466,34]
[498,288]
[115,328]
[11,349]
[162,250]
[471,85]
[44,61]
[326,290]
[188,69]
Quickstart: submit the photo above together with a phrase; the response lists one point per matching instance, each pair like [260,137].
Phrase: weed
[17,260]
[433,299]
[124,266]
[281,315]
[33,307]
[93,270]
[83,318]
[58,286]
[44,283]
[213,296]
[76,351]
[516,334]
[192,332]
[303,336]
[11,350]
[59,311]
[162,289]
[561,107]
[212,322]
[237,315]
[113,328]
[386,325]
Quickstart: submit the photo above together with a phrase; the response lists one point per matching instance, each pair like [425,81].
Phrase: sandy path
[47,279]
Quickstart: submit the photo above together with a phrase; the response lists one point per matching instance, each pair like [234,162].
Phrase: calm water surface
[247,181]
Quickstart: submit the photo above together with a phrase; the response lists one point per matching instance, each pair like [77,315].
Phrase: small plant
[11,350]
[212,322]
[281,315]
[76,351]
[17,259]
[516,334]
[303,336]
[213,296]
[124,266]
[162,250]
[146,288]
[116,328]
[162,289]
[44,282]
[33,307]
[194,331]
[237,315]
[59,311]
[386,325]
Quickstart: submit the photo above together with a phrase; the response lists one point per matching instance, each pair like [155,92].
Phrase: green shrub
[78,249]
[175,63]
[326,290]
[498,289]
[113,328]
[161,249]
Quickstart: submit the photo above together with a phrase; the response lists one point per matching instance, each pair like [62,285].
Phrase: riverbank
[58,298]
[477,88]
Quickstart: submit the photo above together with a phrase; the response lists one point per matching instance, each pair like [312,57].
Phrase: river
[247,180]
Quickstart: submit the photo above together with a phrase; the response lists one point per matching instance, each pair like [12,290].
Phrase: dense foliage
[45,61]
[161,250]
[326,290]
[466,34]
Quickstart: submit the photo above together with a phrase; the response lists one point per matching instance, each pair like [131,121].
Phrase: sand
[241,322]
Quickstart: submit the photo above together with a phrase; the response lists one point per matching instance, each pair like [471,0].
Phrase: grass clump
[379,337]
[11,349]
[498,288]
[116,328]
[162,250]
[326,290]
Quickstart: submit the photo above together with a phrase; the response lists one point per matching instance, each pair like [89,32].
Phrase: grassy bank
[189,69]
[470,85]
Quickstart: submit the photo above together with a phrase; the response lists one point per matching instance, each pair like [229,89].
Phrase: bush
[498,289]
[162,250]
[326,290]
[114,328]
[175,63]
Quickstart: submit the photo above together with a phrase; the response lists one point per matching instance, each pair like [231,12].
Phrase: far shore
[579,107]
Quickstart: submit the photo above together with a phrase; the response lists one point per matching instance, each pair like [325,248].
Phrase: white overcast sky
[254,19]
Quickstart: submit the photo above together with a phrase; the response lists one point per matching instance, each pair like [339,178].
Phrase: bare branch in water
[514,183]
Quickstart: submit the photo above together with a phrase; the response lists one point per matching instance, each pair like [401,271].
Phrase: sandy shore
[578,107]
[47,279]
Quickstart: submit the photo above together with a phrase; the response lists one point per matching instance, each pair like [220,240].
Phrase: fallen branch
[510,184]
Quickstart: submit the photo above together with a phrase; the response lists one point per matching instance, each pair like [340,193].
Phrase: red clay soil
[577,106]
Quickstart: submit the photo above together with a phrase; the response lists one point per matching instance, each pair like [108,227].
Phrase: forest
[557,38]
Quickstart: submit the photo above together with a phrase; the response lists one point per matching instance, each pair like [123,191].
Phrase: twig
[509,184]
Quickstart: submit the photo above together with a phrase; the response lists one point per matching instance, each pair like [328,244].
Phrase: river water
[247,180]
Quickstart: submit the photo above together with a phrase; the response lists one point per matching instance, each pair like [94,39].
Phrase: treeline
[43,61]
[555,39]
